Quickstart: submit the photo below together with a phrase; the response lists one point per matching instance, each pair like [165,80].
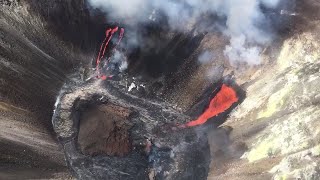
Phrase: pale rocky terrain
[279,119]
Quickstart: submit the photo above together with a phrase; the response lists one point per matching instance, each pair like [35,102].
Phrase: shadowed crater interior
[104,130]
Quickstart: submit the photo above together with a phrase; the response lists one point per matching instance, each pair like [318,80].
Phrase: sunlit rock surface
[279,119]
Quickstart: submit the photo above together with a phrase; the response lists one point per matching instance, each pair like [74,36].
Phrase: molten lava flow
[98,58]
[103,47]
[225,98]
[120,38]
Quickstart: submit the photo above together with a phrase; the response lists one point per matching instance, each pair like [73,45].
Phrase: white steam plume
[118,61]
[245,23]
[205,57]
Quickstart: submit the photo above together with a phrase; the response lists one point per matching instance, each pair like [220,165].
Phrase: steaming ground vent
[104,130]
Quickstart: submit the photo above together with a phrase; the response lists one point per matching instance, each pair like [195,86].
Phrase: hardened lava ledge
[155,147]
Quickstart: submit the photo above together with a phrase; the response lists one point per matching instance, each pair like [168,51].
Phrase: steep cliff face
[34,63]
[279,119]
[275,129]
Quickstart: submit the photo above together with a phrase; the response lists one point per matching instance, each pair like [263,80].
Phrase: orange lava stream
[103,47]
[225,98]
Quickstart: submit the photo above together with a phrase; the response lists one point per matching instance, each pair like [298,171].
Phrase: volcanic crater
[163,117]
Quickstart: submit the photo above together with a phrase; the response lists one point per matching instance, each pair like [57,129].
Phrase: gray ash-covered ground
[34,63]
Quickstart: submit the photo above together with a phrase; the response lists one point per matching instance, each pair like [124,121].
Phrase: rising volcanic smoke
[243,21]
